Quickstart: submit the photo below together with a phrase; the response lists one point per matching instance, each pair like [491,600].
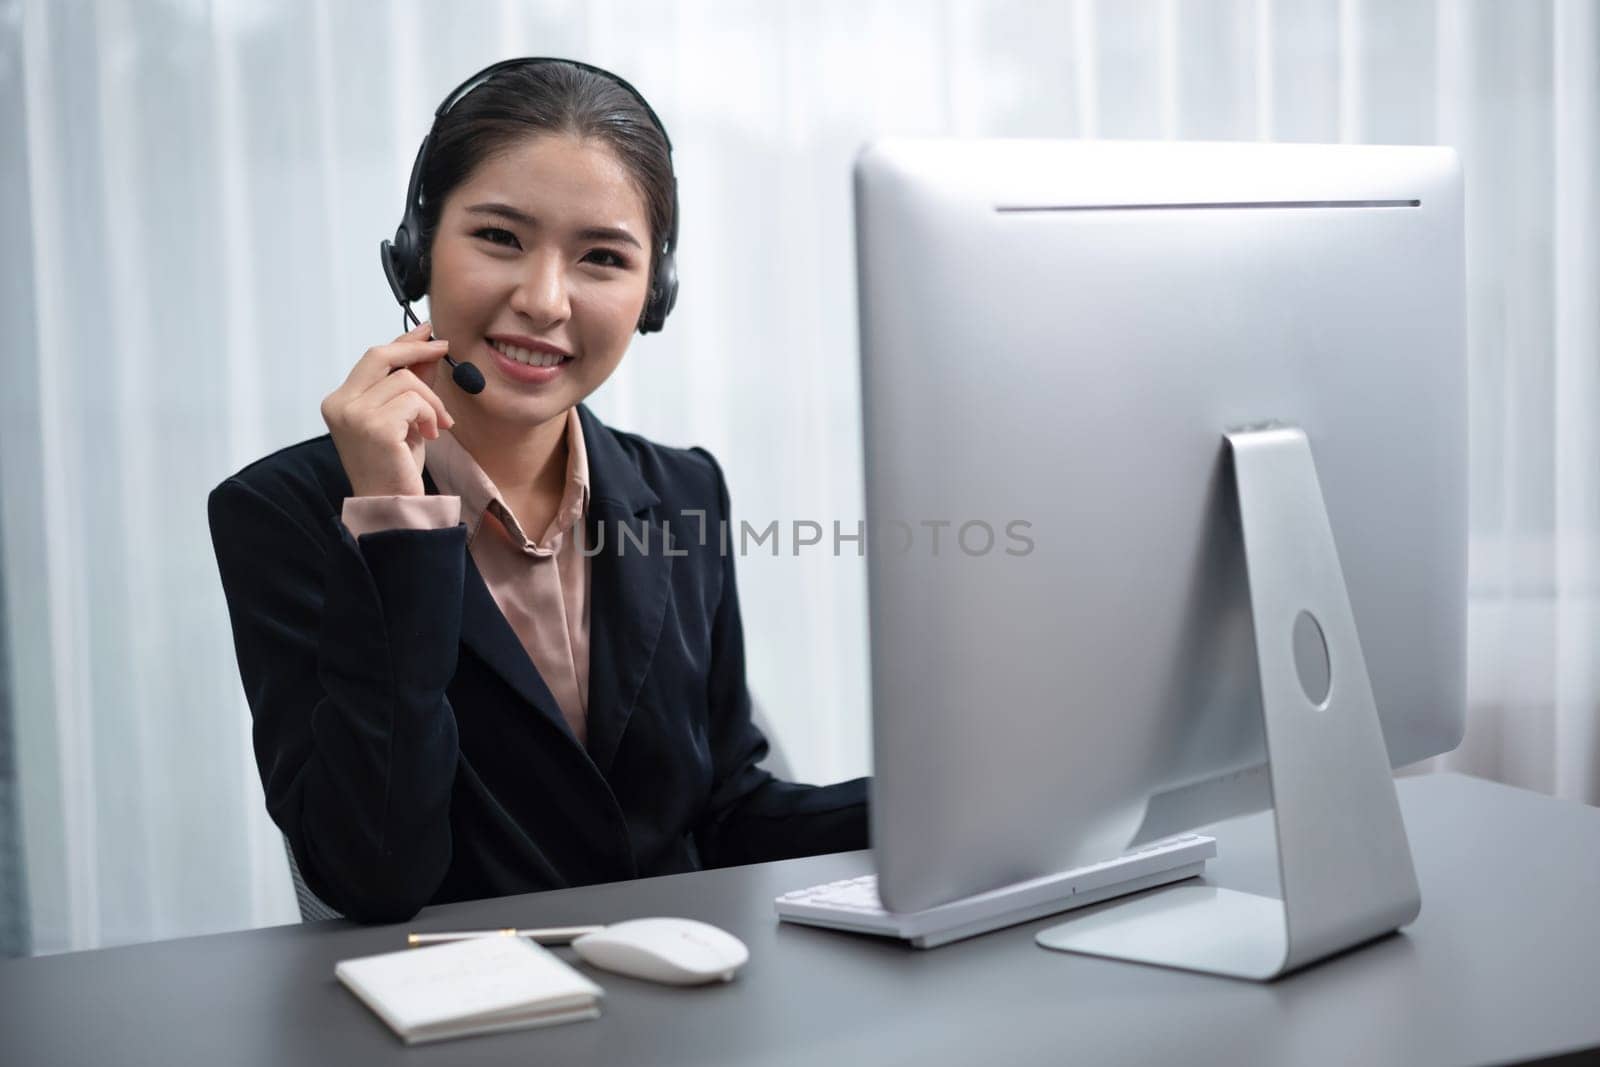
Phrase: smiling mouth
[529,358]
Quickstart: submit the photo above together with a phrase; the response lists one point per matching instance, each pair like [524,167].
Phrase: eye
[498,236]
[606,258]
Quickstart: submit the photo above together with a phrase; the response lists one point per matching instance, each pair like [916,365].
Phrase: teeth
[522,355]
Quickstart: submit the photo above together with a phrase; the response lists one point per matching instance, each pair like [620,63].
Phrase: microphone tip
[468,377]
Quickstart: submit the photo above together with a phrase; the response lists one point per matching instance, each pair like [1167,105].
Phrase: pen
[552,935]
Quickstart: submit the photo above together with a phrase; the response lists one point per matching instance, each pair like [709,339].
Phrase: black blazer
[409,749]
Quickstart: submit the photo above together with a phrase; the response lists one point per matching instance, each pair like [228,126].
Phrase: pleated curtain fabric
[14,927]
[15,293]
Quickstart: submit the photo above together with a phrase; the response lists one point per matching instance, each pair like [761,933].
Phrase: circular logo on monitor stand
[1311,659]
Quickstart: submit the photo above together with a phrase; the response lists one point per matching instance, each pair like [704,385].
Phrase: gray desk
[1503,965]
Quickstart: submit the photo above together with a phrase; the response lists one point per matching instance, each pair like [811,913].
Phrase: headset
[403,257]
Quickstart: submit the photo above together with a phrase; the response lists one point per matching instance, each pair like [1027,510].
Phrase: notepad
[470,987]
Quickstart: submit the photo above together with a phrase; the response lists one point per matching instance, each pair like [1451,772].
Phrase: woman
[476,663]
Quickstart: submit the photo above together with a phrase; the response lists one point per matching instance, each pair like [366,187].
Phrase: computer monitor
[1055,337]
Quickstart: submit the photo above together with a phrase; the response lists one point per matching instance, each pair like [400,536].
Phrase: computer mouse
[674,951]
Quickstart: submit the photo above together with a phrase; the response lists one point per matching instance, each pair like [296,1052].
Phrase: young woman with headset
[491,645]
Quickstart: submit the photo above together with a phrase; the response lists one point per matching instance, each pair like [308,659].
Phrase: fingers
[397,383]
[420,332]
[383,412]
[409,349]
[405,411]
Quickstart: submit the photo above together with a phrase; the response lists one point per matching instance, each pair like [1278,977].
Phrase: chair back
[312,907]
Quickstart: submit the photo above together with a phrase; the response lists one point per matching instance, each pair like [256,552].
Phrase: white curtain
[195,192]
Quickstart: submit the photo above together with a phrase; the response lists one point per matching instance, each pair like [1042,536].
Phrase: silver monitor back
[1054,338]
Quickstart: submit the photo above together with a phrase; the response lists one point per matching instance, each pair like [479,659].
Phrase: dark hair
[542,98]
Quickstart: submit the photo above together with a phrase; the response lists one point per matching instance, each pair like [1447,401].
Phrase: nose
[541,291]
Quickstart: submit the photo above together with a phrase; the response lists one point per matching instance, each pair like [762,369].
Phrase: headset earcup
[663,295]
[402,266]
[409,247]
[391,269]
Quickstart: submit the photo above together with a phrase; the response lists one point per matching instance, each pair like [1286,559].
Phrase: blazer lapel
[486,632]
[629,587]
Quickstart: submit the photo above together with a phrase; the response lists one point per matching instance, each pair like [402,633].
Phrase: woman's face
[541,263]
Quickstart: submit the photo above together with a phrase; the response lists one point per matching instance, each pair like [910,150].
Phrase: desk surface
[1503,965]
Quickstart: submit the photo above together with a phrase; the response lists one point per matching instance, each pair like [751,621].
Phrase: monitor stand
[1343,859]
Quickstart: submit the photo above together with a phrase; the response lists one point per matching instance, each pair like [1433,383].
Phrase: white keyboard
[852,903]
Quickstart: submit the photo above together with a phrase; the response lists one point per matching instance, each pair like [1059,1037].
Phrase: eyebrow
[591,233]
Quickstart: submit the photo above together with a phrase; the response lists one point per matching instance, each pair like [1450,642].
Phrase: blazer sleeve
[752,816]
[345,650]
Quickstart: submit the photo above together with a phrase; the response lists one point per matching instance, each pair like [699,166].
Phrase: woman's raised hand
[383,414]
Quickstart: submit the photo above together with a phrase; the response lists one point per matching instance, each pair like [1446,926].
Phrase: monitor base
[1343,859]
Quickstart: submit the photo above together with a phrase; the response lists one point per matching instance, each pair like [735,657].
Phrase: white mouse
[674,951]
